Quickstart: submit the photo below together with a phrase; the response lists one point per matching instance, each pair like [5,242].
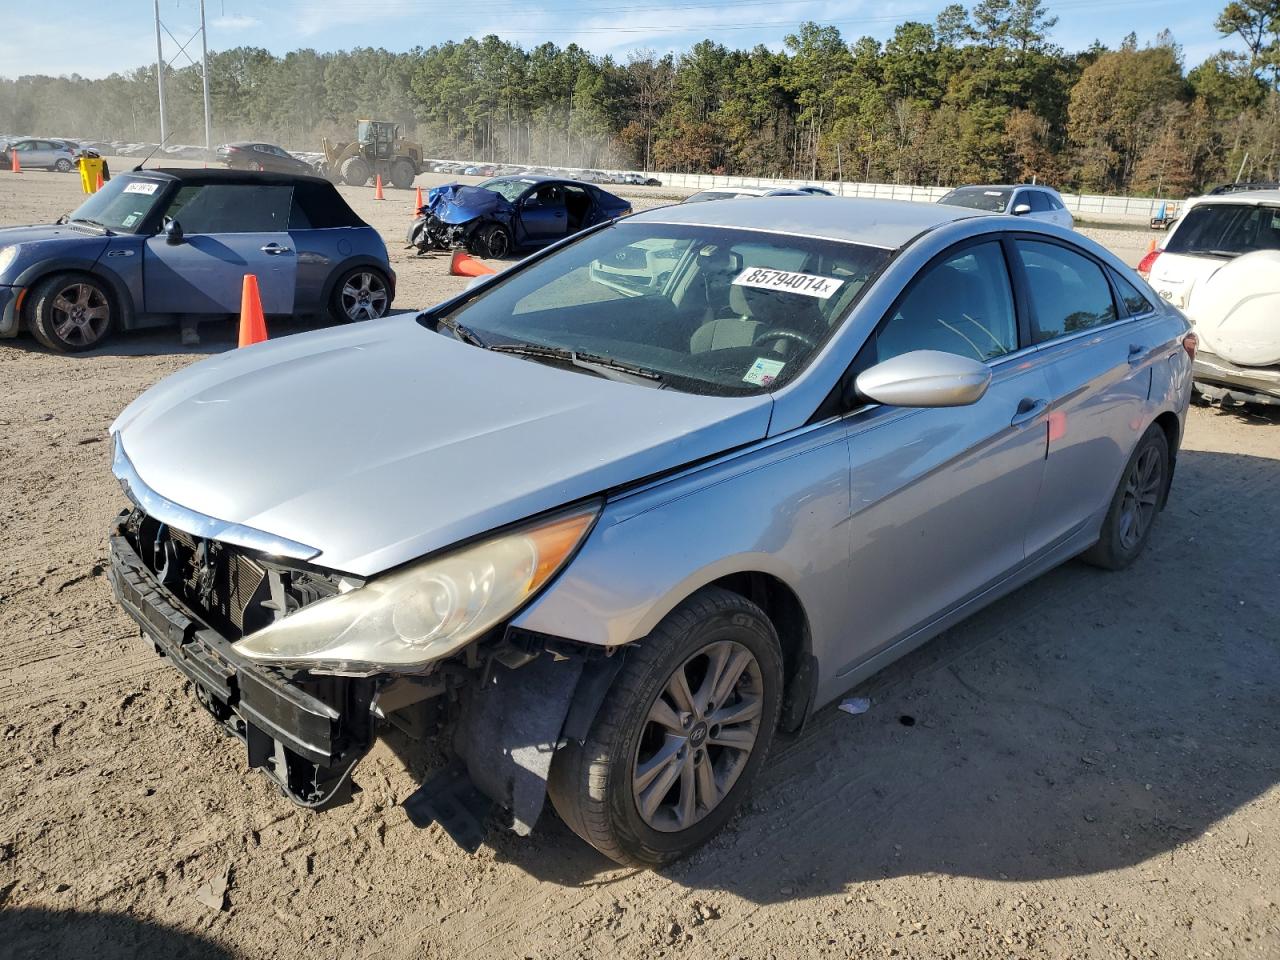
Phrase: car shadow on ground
[37,934]
[216,336]
[1090,721]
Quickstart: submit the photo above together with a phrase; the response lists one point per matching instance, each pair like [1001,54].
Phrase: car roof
[205,176]
[1005,186]
[1243,196]
[877,223]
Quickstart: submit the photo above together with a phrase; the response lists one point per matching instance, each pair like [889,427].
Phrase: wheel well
[1168,422]
[786,613]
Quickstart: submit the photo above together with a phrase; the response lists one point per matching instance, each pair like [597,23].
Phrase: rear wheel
[355,171]
[1137,500]
[360,294]
[402,174]
[70,312]
[63,165]
[680,735]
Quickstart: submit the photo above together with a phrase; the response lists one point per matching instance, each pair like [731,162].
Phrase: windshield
[122,204]
[715,195]
[510,190]
[989,199]
[1226,230]
[703,309]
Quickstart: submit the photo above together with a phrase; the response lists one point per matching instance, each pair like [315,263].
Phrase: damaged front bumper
[1220,379]
[306,737]
[518,701]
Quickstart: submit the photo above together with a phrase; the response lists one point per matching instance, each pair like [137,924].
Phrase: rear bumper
[306,741]
[1222,379]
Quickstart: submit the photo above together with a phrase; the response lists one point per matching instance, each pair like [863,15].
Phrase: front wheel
[1139,497]
[360,294]
[680,735]
[402,174]
[493,242]
[70,312]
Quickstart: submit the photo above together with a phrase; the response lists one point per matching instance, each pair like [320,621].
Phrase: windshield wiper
[464,334]
[94,223]
[597,363]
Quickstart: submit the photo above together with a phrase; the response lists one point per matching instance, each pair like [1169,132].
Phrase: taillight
[1145,264]
[1191,343]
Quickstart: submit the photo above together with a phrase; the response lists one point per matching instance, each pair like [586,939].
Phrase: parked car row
[508,170]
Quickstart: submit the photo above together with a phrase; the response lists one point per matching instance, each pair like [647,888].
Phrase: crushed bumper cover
[1221,379]
[306,743]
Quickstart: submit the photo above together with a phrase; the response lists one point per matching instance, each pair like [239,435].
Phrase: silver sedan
[628,508]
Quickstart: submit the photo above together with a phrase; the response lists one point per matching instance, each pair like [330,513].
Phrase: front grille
[227,586]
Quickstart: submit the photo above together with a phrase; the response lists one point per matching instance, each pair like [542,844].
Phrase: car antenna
[152,153]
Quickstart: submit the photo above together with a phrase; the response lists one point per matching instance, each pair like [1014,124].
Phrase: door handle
[1028,409]
[274,249]
[1137,353]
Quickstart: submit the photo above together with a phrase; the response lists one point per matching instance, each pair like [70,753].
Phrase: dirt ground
[1088,768]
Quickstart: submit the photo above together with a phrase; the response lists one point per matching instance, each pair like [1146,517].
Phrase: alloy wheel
[698,736]
[364,296]
[1141,497]
[81,314]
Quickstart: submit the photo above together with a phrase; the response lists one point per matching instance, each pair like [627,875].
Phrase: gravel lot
[1086,769]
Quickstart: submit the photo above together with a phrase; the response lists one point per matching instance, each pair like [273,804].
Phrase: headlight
[427,611]
[7,256]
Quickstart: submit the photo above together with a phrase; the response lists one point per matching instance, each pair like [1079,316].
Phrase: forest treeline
[979,94]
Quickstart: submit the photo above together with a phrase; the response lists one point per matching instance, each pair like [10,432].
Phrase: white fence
[1087,205]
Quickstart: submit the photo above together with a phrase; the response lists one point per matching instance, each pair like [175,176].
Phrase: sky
[122,34]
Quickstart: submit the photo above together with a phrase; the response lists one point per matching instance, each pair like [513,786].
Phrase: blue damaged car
[159,247]
[504,214]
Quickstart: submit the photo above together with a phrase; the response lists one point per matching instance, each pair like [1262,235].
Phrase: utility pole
[160,72]
[204,73]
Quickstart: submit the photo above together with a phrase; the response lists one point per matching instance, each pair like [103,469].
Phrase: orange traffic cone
[15,162]
[464,266]
[99,184]
[417,201]
[377,188]
[253,326]
[1152,246]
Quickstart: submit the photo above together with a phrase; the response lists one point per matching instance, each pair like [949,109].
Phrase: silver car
[42,154]
[615,535]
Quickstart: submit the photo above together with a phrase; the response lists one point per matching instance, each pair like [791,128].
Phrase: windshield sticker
[804,283]
[993,193]
[147,188]
[764,371]
[130,220]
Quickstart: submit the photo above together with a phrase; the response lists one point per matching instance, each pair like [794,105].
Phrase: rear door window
[1069,292]
[1226,230]
[232,208]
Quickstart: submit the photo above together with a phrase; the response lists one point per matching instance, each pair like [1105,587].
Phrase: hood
[380,442]
[457,203]
[40,243]
[31,234]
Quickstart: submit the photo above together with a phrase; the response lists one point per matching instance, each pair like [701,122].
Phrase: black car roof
[193,175]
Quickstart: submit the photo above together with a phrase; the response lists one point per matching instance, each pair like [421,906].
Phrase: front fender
[778,508]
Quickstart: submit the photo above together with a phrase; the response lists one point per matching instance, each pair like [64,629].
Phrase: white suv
[1221,265]
[1033,201]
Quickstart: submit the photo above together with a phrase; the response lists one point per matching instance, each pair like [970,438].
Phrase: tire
[593,783]
[256,166]
[355,171]
[402,174]
[1139,496]
[63,165]
[493,242]
[71,312]
[346,304]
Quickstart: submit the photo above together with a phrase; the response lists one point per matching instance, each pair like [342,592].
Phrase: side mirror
[1021,208]
[925,378]
[173,233]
